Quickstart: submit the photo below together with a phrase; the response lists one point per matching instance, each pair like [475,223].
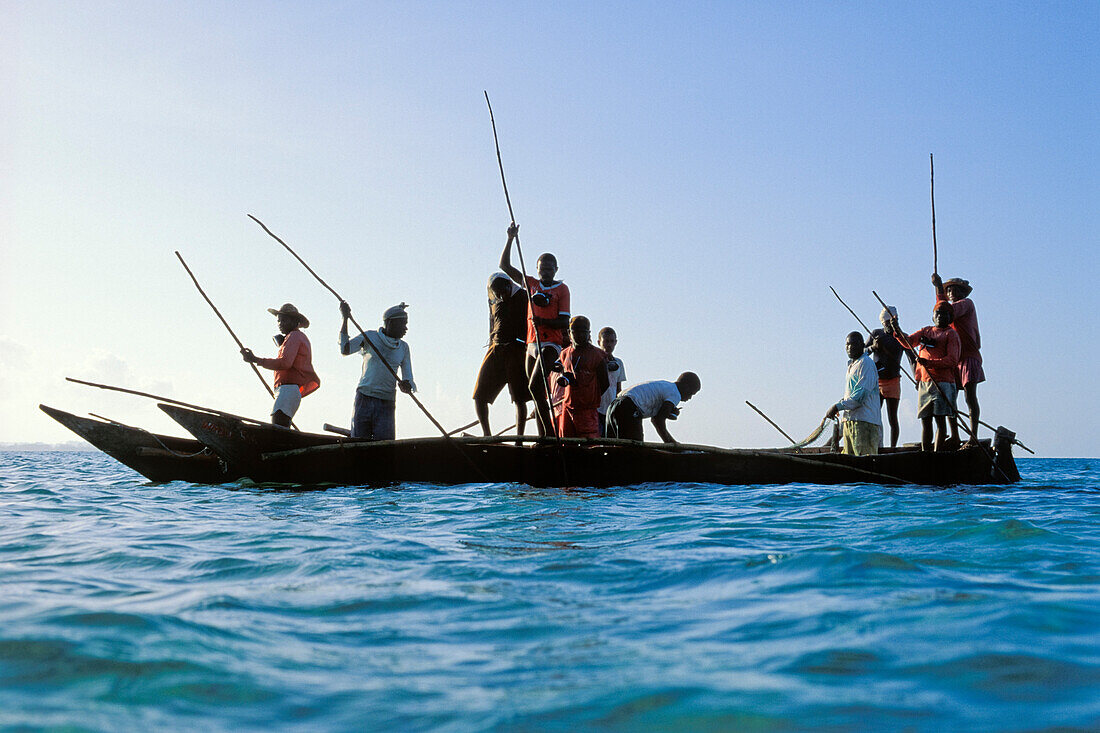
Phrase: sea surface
[130,606]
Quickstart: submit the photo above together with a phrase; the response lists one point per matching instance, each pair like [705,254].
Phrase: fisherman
[548,318]
[656,400]
[383,352]
[584,376]
[616,371]
[935,373]
[293,365]
[957,292]
[886,351]
[862,418]
[503,362]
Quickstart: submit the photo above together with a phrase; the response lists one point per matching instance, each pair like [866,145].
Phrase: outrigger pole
[522,267]
[227,328]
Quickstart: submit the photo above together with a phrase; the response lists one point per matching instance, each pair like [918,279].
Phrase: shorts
[890,388]
[502,365]
[287,400]
[860,438]
[936,402]
[970,370]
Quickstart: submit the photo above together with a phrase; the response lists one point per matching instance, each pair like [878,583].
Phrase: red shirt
[294,364]
[966,325]
[558,306]
[942,356]
[584,392]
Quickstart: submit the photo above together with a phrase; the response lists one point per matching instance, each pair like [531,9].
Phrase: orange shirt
[294,364]
[558,293]
[942,355]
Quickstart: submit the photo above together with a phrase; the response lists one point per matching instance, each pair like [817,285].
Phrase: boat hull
[619,463]
[159,458]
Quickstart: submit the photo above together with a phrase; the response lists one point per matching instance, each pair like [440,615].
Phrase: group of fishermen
[537,348]
[545,355]
[946,358]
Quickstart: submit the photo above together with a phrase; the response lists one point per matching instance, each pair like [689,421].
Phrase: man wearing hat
[886,351]
[293,365]
[383,352]
[957,292]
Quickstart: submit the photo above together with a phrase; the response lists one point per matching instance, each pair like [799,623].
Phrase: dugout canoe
[266,453]
[159,458]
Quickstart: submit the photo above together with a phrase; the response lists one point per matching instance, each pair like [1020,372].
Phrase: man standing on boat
[616,371]
[937,361]
[584,374]
[860,416]
[293,365]
[656,400]
[886,351]
[376,395]
[548,318]
[957,292]
[503,362]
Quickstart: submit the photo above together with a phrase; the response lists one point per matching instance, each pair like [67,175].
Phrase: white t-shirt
[617,377]
[649,396]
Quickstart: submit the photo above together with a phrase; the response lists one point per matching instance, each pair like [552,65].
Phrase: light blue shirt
[861,401]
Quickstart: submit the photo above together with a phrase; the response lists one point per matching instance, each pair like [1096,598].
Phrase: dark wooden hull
[621,463]
[265,453]
[158,458]
[242,444]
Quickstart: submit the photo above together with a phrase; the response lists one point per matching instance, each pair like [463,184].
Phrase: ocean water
[666,607]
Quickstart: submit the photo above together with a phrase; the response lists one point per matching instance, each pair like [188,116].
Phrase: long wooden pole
[225,323]
[522,267]
[164,399]
[355,323]
[770,422]
[935,249]
[850,311]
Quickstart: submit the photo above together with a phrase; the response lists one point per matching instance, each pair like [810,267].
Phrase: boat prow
[159,458]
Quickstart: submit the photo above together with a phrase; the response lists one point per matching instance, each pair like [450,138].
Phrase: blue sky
[703,171]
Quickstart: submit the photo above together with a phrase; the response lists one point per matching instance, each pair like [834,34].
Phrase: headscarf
[494,298]
[397,311]
[888,313]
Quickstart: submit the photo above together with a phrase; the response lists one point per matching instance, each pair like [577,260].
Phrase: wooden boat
[269,454]
[158,458]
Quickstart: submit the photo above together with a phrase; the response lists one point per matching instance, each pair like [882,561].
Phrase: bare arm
[506,259]
[659,420]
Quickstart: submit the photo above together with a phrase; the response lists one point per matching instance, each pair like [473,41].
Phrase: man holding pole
[376,395]
[957,292]
[547,321]
[293,365]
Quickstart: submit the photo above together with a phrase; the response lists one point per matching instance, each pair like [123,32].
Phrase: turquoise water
[131,606]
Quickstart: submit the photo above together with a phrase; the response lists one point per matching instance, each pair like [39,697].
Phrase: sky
[704,171]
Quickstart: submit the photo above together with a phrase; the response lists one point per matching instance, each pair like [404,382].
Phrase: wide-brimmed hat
[288,309]
[958,282]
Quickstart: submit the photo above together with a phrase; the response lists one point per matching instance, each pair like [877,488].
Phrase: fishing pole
[522,267]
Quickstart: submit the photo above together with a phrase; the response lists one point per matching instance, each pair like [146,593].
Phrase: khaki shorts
[860,438]
[936,401]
